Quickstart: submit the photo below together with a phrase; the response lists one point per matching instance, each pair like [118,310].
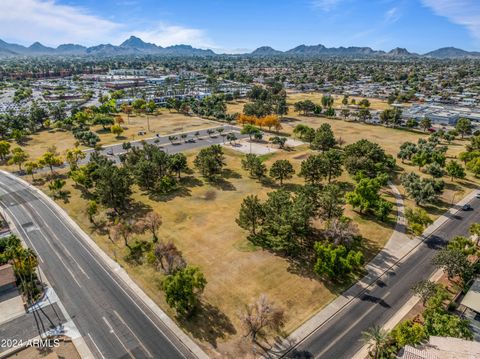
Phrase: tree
[335,262]
[19,156]
[251,214]
[312,169]
[31,167]
[92,210]
[341,231]
[417,219]
[113,187]
[210,161]
[260,316]
[421,190]
[254,165]
[152,221]
[383,209]
[426,289]
[4,149]
[73,156]
[330,202]
[117,130]
[126,109]
[183,288]
[366,157]
[332,163]
[407,150]
[475,231]
[178,163]
[408,333]
[56,186]
[435,170]
[464,127]
[454,263]
[103,120]
[50,159]
[425,123]
[439,322]
[377,339]
[168,257]
[278,140]
[365,196]
[324,138]
[455,170]
[281,170]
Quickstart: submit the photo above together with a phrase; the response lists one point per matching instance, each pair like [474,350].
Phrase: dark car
[190,140]
[467,207]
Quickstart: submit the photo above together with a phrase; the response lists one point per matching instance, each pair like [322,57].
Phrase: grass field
[163,123]
[390,139]
[316,97]
[375,103]
[201,221]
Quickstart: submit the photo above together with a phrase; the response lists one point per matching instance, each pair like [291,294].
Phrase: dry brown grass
[201,221]
[164,123]
[375,103]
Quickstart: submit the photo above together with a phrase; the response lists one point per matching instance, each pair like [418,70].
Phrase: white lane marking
[131,331]
[65,248]
[96,346]
[48,242]
[351,326]
[40,199]
[116,336]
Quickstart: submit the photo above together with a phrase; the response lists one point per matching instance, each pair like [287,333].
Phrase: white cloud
[392,15]
[27,21]
[50,23]
[166,35]
[462,12]
[325,5]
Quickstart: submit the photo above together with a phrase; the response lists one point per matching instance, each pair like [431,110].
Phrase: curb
[338,304]
[121,275]
[80,344]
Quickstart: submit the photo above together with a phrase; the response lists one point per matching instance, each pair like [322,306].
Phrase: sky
[236,26]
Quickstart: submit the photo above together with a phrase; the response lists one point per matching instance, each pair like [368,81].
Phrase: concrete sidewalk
[397,249]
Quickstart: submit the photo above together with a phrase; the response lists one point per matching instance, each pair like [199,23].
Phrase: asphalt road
[111,318]
[341,336]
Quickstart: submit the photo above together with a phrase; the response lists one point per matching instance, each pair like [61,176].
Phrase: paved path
[335,332]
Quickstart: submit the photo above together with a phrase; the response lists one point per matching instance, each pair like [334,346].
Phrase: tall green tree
[183,289]
[281,170]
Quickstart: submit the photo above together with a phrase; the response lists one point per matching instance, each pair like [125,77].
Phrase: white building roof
[472,298]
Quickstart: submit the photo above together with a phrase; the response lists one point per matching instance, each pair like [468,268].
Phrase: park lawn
[164,123]
[236,106]
[375,103]
[201,221]
[391,139]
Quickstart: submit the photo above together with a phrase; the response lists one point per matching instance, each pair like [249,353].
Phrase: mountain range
[136,46]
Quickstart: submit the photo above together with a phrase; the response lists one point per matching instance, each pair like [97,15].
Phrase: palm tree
[376,338]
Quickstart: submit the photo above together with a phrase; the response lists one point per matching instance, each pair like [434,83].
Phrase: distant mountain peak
[399,51]
[266,51]
[138,43]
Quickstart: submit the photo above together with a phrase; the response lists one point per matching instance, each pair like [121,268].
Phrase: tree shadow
[222,184]
[208,323]
[136,210]
[180,191]
[227,173]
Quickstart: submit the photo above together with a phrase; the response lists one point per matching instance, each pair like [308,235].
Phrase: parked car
[478,195]
[466,207]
